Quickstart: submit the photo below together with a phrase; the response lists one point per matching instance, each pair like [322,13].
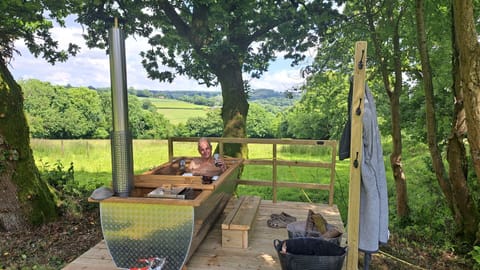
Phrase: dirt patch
[52,245]
[401,253]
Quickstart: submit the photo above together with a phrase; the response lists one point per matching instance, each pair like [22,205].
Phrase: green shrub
[72,196]
[475,253]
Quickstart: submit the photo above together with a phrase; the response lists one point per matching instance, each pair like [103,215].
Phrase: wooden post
[358,98]
[332,174]
[274,172]
[170,149]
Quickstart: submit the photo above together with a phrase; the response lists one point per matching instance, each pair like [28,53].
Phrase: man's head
[204,147]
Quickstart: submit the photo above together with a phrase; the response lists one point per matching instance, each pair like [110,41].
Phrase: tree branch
[182,27]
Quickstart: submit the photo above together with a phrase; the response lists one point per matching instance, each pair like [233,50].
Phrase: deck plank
[211,255]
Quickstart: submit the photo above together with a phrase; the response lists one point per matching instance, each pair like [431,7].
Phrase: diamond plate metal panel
[136,231]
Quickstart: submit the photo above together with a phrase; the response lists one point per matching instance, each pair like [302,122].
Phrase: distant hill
[176,94]
[269,99]
[265,94]
[272,100]
[255,94]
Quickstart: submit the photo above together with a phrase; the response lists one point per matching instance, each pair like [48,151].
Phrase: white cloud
[280,80]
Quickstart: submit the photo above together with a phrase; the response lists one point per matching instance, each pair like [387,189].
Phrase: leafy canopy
[32,21]
[200,38]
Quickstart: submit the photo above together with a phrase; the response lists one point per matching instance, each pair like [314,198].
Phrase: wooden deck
[210,255]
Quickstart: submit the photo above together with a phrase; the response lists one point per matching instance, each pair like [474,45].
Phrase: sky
[91,67]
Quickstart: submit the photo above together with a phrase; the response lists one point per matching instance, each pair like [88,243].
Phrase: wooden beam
[257,141]
[358,98]
[332,175]
[318,164]
[264,183]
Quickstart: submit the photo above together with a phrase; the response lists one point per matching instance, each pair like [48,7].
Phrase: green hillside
[177,111]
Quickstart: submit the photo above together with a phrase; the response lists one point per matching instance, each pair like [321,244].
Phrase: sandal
[276,223]
[288,217]
[284,217]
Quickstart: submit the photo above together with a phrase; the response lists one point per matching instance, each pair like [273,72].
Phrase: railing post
[274,172]
[332,174]
[170,149]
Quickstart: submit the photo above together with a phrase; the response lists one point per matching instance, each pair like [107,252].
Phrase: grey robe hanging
[373,228]
[373,222]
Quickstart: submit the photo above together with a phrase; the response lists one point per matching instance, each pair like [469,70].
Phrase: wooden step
[238,223]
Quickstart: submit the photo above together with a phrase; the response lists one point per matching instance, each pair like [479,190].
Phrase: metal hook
[358,111]
[360,63]
[355,162]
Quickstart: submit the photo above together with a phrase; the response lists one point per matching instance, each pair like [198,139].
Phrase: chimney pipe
[121,139]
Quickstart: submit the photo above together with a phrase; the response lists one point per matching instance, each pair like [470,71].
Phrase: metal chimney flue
[121,139]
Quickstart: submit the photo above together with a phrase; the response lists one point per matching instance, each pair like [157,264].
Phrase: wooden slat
[196,202]
[154,181]
[175,184]
[314,164]
[257,140]
[284,184]
[228,220]
[246,214]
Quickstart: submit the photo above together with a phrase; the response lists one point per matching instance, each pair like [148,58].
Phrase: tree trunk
[454,186]
[394,96]
[235,106]
[435,152]
[24,198]
[396,160]
[465,210]
[469,56]
[403,210]
[467,84]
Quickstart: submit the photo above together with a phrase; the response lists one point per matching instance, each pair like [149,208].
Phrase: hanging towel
[373,228]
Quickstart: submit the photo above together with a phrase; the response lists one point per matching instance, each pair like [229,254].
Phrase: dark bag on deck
[309,254]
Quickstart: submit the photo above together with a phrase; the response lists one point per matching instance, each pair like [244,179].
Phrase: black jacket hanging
[344,144]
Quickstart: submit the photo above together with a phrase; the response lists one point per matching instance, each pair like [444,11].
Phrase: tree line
[66,112]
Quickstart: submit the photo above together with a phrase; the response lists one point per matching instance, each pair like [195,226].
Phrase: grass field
[92,163]
[177,111]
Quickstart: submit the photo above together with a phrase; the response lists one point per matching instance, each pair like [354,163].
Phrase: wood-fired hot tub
[171,224]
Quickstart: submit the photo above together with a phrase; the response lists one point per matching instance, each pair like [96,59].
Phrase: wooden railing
[275,162]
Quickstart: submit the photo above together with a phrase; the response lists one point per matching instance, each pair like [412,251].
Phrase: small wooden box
[239,222]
